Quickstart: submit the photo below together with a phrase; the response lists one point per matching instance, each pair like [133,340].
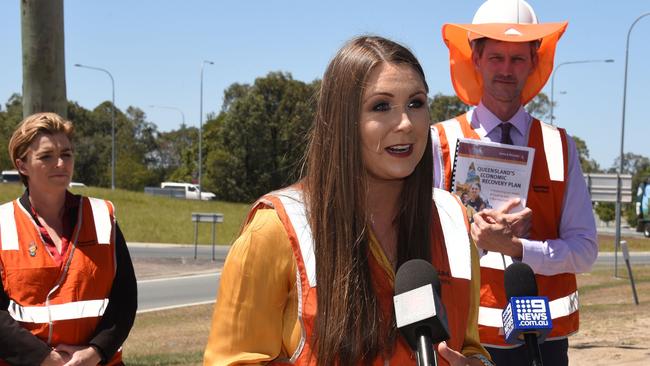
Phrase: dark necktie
[505,133]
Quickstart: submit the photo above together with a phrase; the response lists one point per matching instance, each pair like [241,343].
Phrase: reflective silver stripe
[453,133]
[47,314]
[454,230]
[8,231]
[495,260]
[437,156]
[292,201]
[303,331]
[490,317]
[452,222]
[103,224]
[553,150]
[563,306]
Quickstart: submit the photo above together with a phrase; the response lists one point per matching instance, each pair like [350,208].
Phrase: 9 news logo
[531,312]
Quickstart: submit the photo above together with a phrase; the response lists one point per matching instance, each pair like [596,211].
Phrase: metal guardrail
[166,192]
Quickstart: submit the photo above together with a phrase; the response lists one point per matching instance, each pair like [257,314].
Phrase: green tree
[605,211]
[256,144]
[540,107]
[176,153]
[587,164]
[444,107]
[9,119]
[135,165]
[92,147]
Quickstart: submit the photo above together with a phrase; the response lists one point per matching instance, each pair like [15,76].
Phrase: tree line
[253,145]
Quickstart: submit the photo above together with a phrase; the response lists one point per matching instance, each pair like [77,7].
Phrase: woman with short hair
[68,293]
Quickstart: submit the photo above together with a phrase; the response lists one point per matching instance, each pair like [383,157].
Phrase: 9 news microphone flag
[527,318]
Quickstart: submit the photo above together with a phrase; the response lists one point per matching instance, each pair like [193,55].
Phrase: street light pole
[112,119]
[170,107]
[201,126]
[555,72]
[617,238]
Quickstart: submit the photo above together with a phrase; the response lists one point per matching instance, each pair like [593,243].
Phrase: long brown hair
[349,322]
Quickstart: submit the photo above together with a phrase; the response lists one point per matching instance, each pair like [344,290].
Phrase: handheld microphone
[527,318]
[419,312]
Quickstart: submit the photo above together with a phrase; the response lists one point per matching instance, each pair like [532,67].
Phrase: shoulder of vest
[550,126]
[7,213]
[438,192]
[455,120]
[98,199]
[444,198]
[292,192]
[93,202]
[7,204]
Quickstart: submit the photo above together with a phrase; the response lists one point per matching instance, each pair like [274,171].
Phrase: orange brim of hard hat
[468,82]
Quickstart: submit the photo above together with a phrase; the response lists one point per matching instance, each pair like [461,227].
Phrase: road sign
[211,217]
[602,187]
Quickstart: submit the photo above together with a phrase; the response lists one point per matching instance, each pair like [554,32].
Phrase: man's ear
[476,59]
[535,62]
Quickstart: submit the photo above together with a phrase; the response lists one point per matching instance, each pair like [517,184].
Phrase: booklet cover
[488,174]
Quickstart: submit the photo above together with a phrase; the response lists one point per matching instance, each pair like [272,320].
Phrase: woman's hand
[80,355]
[456,359]
[55,358]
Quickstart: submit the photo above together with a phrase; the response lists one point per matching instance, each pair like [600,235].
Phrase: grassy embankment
[150,219]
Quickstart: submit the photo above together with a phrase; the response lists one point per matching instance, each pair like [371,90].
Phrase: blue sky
[154,50]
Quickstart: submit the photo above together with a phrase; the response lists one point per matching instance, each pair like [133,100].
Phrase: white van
[10,176]
[191,190]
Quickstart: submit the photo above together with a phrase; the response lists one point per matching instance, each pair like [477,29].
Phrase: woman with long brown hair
[363,207]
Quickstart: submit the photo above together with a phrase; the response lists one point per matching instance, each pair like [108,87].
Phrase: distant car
[10,176]
[191,190]
[76,184]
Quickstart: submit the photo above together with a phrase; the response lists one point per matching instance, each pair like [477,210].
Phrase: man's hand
[499,230]
[519,222]
[455,358]
[80,355]
[55,359]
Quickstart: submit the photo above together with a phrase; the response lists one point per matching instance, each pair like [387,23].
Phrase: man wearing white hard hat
[498,64]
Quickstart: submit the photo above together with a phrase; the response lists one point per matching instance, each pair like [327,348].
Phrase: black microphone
[419,312]
[527,317]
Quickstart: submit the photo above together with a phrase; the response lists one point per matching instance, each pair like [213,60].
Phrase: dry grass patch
[613,330]
[637,244]
[171,337]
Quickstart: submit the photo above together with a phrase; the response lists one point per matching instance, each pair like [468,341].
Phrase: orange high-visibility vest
[60,304]
[545,199]
[450,250]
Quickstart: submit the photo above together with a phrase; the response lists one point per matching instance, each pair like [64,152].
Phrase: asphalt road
[151,250]
[169,293]
[165,293]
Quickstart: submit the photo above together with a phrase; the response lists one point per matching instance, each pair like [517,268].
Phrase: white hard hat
[505,11]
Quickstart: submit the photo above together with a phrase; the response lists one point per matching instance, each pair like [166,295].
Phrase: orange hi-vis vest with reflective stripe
[545,199]
[60,304]
[450,250]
